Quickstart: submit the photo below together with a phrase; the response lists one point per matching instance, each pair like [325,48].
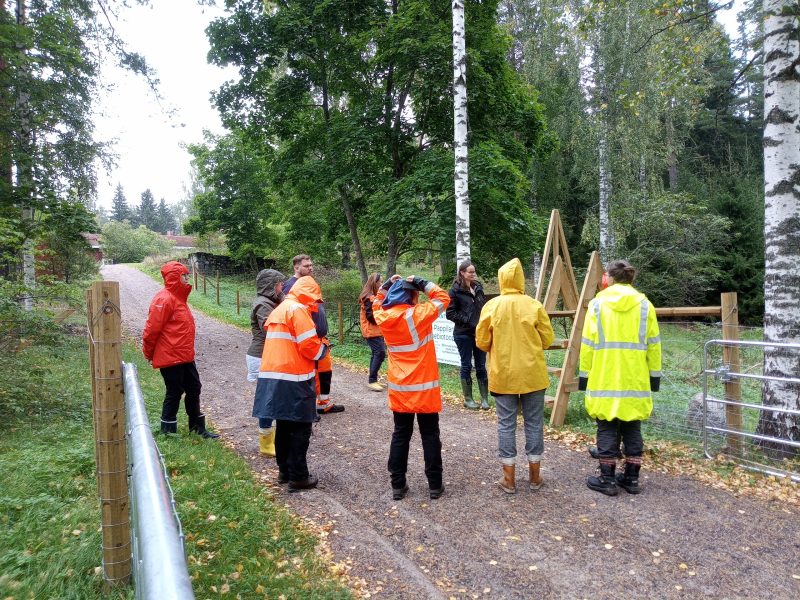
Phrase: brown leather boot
[535,480]
[508,483]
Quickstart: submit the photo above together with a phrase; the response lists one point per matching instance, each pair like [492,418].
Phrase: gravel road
[678,539]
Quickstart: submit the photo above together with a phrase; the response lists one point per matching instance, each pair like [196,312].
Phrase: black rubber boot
[483,388]
[629,480]
[169,427]
[198,426]
[466,389]
[605,483]
[595,455]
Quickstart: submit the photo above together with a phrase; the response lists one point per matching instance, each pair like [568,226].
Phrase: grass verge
[238,540]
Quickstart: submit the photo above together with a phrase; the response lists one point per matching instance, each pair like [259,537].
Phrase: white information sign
[446,350]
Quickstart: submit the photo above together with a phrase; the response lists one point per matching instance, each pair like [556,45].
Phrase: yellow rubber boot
[266,442]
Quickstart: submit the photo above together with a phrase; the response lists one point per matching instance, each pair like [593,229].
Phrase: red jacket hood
[307,292]
[171,273]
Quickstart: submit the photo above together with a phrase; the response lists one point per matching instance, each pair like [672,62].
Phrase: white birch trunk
[461,175]
[24,178]
[781,216]
[604,220]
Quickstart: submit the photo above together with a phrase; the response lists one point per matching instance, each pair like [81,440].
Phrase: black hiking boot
[629,480]
[399,493]
[605,483]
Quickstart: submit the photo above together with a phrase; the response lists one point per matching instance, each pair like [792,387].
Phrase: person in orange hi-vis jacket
[286,391]
[413,375]
[168,344]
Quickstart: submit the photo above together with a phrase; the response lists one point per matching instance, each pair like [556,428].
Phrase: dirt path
[679,539]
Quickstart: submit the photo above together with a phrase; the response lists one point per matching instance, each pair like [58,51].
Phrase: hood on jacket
[511,277]
[266,280]
[397,294]
[307,292]
[621,297]
[171,273]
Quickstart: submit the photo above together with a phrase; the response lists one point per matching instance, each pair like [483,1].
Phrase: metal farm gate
[736,423]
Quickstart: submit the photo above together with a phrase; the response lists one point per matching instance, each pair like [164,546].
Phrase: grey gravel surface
[678,539]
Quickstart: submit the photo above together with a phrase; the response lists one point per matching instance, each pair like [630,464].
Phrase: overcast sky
[171,35]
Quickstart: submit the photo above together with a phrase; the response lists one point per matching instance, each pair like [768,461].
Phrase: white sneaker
[375,387]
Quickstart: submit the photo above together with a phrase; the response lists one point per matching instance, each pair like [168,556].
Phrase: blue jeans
[532,405]
[376,359]
[467,350]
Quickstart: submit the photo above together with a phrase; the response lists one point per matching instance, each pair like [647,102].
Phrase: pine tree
[146,212]
[120,210]
[165,220]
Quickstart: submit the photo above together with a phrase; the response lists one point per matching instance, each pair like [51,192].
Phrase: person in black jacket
[466,301]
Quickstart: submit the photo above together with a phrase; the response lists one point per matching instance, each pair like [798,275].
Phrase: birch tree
[781,216]
[460,129]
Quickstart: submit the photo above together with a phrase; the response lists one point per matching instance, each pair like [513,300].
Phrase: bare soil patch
[678,539]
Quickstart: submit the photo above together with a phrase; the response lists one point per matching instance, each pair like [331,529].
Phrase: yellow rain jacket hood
[514,329]
[620,353]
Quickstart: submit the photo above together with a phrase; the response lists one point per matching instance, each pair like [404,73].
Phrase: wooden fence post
[731,357]
[108,408]
[217,287]
[195,278]
[204,284]
[237,301]
[341,323]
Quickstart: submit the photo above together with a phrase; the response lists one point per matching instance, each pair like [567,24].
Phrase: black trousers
[609,434]
[291,447]
[179,380]
[431,447]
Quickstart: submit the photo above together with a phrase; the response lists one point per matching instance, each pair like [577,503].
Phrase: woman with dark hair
[620,367]
[466,301]
[371,331]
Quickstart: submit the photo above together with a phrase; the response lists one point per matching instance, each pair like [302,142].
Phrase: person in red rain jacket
[168,344]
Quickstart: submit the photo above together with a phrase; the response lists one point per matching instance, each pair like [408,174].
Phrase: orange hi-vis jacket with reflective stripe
[286,388]
[408,332]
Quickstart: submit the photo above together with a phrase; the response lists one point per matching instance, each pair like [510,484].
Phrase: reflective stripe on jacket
[168,336]
[286,388]
[514,329]
[413,373]
[620,351]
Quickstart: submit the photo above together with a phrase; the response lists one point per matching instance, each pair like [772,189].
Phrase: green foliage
[50,540]
[67,255]
[123,243]
[350,105]
[120,211]
[146,213]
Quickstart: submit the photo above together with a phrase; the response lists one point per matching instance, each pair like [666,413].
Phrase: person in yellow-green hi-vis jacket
[620,366]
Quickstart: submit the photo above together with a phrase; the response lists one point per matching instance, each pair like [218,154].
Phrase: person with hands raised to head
[620,367]
[407,328]
[371,331]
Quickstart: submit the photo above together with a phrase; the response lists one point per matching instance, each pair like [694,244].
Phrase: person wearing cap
[286,392]
[407,328]
[168,345]
[269,293]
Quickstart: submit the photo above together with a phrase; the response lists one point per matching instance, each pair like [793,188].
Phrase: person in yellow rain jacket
[515,329]
[620,366]
[286,391]
[413,375]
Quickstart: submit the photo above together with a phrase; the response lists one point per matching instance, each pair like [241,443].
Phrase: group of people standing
[289,359]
